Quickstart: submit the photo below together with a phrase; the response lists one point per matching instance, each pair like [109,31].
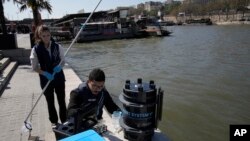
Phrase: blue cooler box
[89,135]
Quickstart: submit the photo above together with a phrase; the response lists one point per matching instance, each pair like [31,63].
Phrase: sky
[63,7]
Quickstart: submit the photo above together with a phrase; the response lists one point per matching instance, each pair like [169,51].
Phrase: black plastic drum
[139,110]
[138,115]
[140,92]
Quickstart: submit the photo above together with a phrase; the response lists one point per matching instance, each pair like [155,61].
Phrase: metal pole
[27,125]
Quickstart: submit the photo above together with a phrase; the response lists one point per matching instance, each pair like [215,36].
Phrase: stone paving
[19,96]
[17,100]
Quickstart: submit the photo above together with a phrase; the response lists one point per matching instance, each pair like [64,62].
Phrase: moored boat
[103,31]
[108,25]
[154,30]
[152,27]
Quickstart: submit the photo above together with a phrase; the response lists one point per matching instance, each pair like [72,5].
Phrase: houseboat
[108,25]
[60,32]
[96,31]
[152,27]
[156,30]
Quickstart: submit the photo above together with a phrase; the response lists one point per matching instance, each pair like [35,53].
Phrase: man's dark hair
[97,75]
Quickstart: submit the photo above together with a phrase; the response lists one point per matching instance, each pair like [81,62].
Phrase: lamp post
[17,18]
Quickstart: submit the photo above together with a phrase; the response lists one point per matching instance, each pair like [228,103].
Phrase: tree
[242,6]
[188,9]
[226,7]
[37,6]
[169,8]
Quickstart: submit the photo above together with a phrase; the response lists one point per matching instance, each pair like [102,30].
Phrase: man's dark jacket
[83,95]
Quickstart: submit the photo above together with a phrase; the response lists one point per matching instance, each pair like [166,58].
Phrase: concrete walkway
[17,100]
[22,92]
[19,97]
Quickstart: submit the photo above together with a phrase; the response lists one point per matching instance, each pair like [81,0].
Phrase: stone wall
[214,18]
[19,55]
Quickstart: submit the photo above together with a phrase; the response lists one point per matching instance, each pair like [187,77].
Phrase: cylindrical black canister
[139,110]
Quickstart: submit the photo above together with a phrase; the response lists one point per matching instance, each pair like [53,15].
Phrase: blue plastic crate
[89,135]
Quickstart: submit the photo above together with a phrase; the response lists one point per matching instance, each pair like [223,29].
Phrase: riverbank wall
[22,53]
[221,19]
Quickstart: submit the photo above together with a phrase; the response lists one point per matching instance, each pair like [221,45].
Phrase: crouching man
[91,94]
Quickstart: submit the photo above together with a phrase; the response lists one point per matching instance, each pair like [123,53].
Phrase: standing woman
[45,58]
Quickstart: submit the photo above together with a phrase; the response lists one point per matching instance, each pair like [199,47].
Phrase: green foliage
[217,5]
[168,9]
[37,6]
[213,6]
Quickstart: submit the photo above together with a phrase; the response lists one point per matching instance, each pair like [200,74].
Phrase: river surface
[203,70]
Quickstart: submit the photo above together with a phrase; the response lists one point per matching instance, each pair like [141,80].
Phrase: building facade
[149,6]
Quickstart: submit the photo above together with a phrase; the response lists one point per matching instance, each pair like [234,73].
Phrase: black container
[85,119]
[133,134]
[65,130]
[140,110]
[71,127]
[141,93]
[138,115]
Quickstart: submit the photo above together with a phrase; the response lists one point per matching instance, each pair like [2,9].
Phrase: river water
[203,70]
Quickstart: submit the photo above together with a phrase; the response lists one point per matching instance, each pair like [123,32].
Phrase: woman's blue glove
[48,75]
[57,69]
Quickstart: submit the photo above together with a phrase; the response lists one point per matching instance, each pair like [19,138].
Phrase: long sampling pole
[28,124]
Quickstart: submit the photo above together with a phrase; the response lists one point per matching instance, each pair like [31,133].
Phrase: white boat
[154,30]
